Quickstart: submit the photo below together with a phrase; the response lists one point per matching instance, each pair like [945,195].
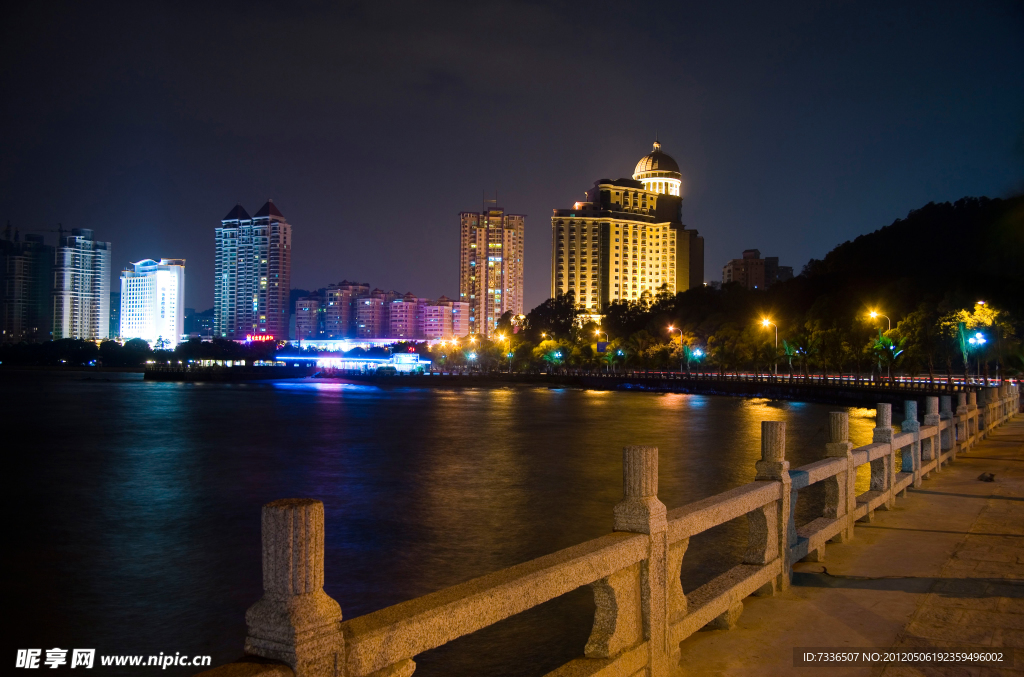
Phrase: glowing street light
[670,330]
[508,340]
[873,314]
[977,341]
[764,323]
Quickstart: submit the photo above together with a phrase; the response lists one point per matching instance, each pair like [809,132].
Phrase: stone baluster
[973,417]
[911,455]
[772,529]
[618,621]
[840,492]
[947,440]
[962,430]
[296,622]
[883,469]
[930,450]
[992,407]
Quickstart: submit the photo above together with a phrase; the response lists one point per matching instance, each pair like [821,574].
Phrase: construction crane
[60,230]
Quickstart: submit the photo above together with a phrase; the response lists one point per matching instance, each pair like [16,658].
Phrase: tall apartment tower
[253,274]
[491,266]
[26,279]
[81,287]
[626,240]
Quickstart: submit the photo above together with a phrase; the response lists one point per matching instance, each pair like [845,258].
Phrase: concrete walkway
[945,568]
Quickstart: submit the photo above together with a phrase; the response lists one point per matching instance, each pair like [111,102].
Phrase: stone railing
[642,612]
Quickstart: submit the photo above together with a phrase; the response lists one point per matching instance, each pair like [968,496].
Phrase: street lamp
[775,365]
[670,330]
[598,333]
[508,339]
[873,314]
[977,341]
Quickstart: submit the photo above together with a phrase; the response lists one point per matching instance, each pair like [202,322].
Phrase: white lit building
[152,302]
[81,287]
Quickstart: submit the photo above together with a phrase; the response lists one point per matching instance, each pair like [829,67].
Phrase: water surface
[135,525]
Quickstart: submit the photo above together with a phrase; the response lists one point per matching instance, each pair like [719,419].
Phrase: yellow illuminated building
[626,240]
[491,266]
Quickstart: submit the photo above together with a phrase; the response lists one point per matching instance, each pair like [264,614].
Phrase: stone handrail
[642,613]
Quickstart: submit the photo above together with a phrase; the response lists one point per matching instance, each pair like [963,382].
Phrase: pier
[645,623]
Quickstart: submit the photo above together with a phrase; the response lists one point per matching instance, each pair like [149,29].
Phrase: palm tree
[887,352]
[789,352]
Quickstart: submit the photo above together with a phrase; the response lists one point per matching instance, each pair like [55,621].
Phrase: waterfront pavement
[944,568]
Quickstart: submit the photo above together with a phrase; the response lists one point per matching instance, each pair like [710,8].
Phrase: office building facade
[491,266]
[152,302]
[626,241]
[252,274]
[81,287]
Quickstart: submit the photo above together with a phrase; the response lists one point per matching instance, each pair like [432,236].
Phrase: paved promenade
[944,568]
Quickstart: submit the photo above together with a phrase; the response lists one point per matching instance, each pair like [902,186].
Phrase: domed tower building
[626,240]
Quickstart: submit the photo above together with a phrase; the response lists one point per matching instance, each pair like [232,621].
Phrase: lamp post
[977,341]
[681,358]
[607,340]
[873,314]
[775,365]
[508,346]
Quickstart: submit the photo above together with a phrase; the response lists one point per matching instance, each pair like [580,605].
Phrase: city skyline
[795,127]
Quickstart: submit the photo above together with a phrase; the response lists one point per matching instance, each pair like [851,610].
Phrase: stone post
[931,418]
[296,622]
[883,470]
[973,418]
[992,407]
[840,491]
[962,432]
[947,439]
[912,453]
[641,512]
[773,467]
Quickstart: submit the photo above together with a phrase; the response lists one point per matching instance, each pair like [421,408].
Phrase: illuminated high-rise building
[491,266]
[626,240]
[152,302]
[81,287]
[252,274]
[341,302]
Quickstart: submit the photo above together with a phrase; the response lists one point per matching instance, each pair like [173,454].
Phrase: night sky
[796,125]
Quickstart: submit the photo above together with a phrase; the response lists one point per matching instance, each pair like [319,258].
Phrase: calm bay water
[135,523]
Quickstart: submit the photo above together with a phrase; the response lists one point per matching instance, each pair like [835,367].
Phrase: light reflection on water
[138,525]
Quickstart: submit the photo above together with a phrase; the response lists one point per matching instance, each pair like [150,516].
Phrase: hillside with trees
[925,272]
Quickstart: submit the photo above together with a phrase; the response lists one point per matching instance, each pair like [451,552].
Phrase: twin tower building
[624,242]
